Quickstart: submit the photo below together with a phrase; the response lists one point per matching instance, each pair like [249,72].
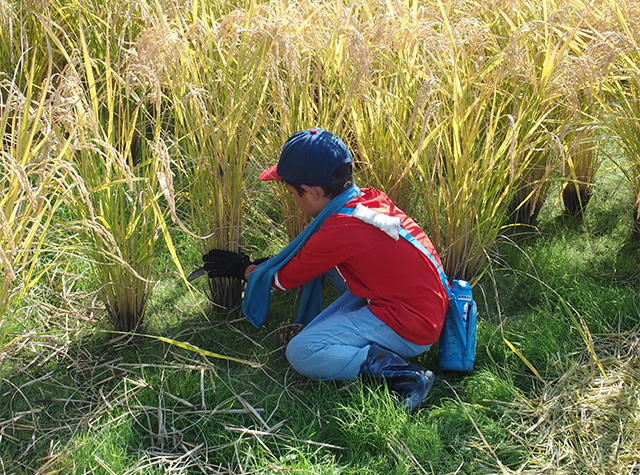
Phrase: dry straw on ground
[587,421]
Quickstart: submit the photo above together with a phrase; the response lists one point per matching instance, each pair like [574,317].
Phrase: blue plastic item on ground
[458,338]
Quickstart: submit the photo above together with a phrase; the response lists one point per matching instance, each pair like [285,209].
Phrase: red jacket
[401,284]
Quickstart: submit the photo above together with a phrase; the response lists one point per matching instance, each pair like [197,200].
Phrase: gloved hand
[220,263]
[257,262]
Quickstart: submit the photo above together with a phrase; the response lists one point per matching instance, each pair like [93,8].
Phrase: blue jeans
[335,343]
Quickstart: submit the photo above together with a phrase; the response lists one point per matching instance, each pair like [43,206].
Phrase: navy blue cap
[309,157]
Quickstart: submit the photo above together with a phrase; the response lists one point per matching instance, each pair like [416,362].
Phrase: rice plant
[390,129]
[539,81]
[587,66]
[626,125]
[220,87]
[621,97]
[109,111]
[30,191]
[23,27]
[582,163]
[465,172]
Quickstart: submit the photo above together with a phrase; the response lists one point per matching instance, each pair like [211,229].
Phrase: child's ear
[314,190]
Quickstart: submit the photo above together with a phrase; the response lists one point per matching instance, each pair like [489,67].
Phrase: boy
[393,302]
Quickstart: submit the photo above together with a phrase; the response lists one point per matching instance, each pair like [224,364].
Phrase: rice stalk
[391,128]
[316,63]
[8,51]
[582,163]
[626,125]
[120,238]
[581,158]
[24,32]
[465,173]
[540,82]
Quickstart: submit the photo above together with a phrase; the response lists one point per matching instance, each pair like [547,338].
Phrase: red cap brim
[270,174]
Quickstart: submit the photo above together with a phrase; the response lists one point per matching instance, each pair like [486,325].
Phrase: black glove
[257,262]
[220,263]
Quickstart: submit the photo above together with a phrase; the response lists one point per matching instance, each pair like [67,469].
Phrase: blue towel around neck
[257,295]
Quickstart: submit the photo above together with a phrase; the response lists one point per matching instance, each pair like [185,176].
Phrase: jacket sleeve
[331,245]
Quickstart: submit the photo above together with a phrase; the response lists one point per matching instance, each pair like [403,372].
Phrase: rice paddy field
[133,133]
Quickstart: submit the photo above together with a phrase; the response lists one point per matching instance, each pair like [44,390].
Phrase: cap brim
[270,174]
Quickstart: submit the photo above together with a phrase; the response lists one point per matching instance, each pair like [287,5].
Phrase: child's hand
[221,263]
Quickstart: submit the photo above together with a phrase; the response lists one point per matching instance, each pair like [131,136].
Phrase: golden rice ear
[156,60]
[7,18]
[164,175]
[77,182]
[70,108]
[8,248]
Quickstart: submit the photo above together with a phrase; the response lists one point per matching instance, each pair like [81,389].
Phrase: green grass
[89,401]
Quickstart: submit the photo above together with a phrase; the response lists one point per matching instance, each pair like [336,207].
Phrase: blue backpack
[458,338]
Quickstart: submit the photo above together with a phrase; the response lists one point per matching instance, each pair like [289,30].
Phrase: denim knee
[324,359]
[300,355]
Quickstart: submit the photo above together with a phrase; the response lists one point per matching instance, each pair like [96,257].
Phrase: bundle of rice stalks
[581,157]
[538,85]
[467,168]
[315,65]
[218,111]
[24,26]
[582,163]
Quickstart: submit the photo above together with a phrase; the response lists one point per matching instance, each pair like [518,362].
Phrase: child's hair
[342,177]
